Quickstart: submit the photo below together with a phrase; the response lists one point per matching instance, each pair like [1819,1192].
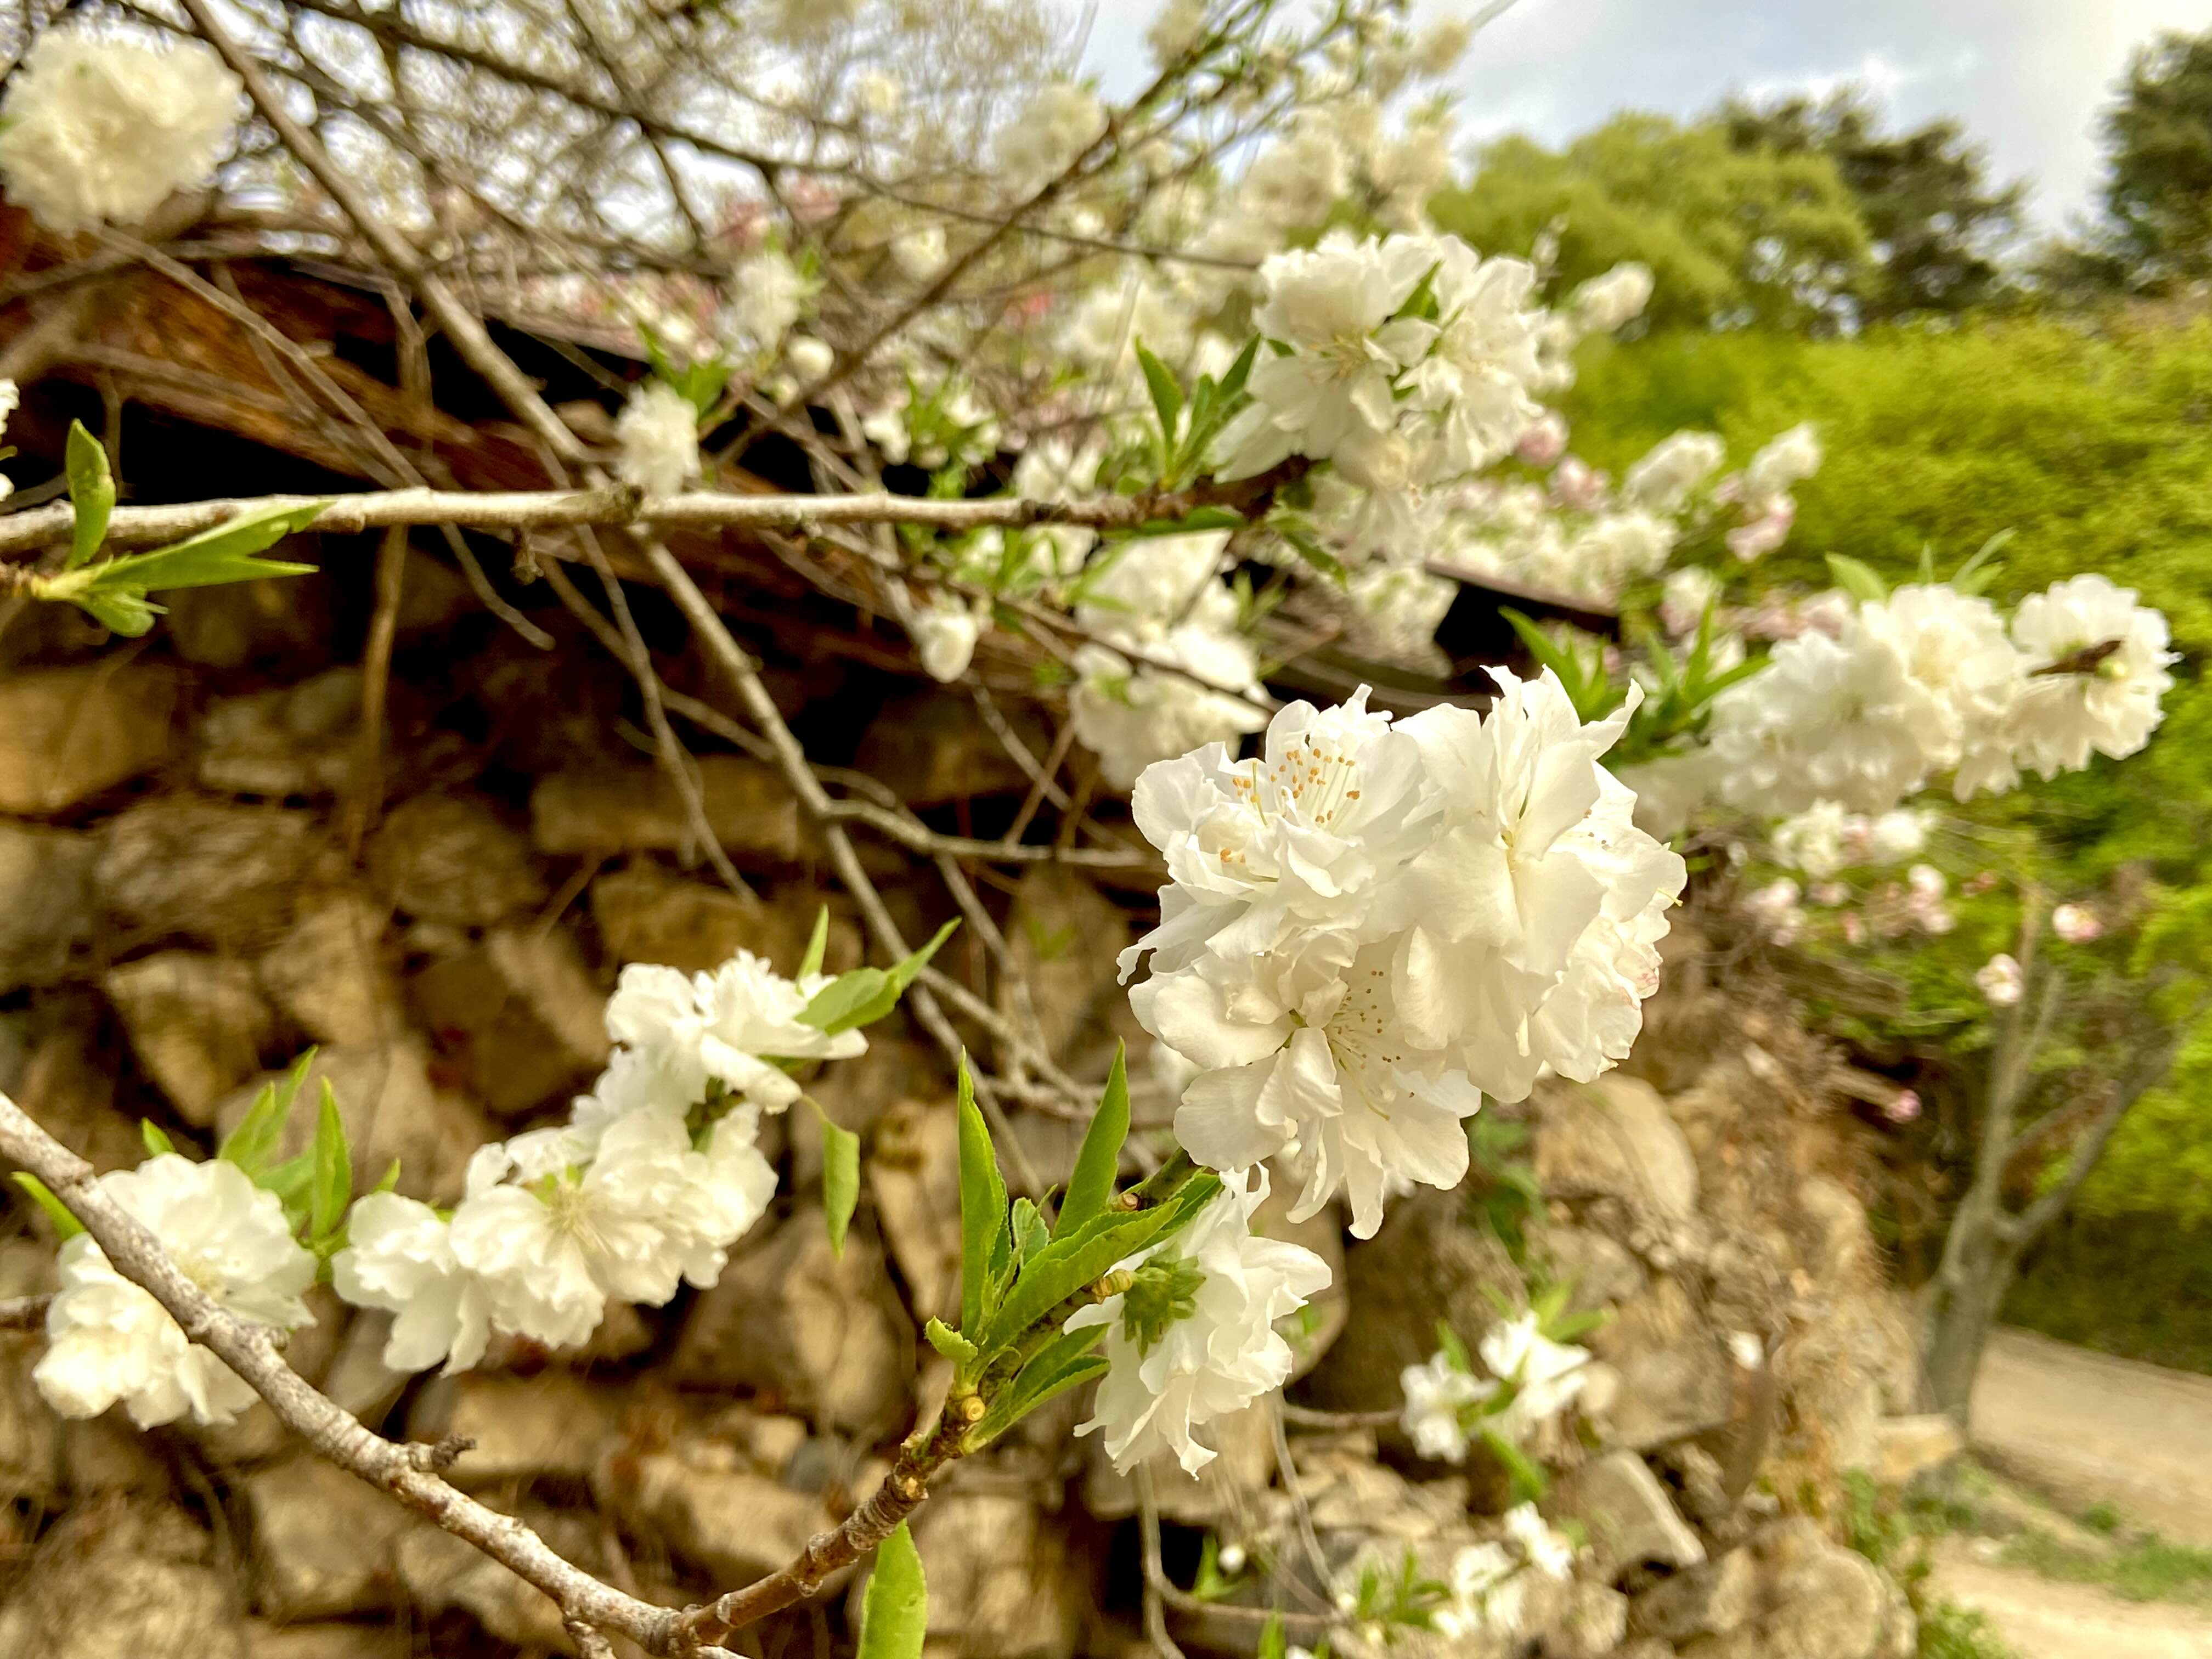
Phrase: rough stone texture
[1063,936]
[1816,1601]
[442,1572]
[646,913]
[328,972]
[1908,1446]
[914,1174]
[1004,1582]
[1422,1265]
[295,740]
[1613,1138]
[122,1579]
[1588,1625]
[278,622]
[67,733]
[1631,1520]
[224,874]
[1601,1270]
[733,1523]
[933,747]
[1708,1601]
[65,1083]
[638,809]
[45,903]
[325,1641]
[392,1110]
[32,1468]
[553,1423]
[519,1014]
[447,859]
[198,1025]
[323,1541]
[827,1334]
[1676,1376]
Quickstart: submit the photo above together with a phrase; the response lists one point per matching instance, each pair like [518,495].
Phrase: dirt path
[2089,1429]
[2048,1620]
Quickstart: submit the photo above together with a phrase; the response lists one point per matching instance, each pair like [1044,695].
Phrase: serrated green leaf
[817,944]
[866,994]
[1091,1187]
[332,1188]
[1079,1259]
[983,1238]
[255,1140]
[154,1137]
[895,1611]
[66,1225]
[1061,1365]
[1167,394]
[1857,579]
[92,493]
[841,1177]
[953,1345]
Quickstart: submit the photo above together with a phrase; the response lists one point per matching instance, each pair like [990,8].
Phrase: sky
[2027,76]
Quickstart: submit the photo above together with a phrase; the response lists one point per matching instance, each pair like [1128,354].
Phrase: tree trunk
[1977,1270]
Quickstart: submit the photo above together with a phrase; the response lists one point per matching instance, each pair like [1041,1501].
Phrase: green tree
[1940,226]
[1733,237]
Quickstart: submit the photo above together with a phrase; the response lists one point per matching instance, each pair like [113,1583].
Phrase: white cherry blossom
[1436,1392]
[399,1257]
[659,429]
[2111,709]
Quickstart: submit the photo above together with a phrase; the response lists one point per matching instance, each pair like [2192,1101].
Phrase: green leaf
[1528,1479]
[1232,383]
[67,1225]
[1077,1260]
[254,1141]
[953,1345]
[92,492]
[332,1190]
[840,1176]
[1453,1349]
[1091,1187]
[895,1611]
[126,611]
[817,944]
[1167,394]
[224,554]
[1273,1645]
[1030,1232]
[156,1138]
[1315,553]
[292,1182]
[1857,579]
[866,994]
[391,1178]
[983,1238]
[1060,1365]
[1978,572]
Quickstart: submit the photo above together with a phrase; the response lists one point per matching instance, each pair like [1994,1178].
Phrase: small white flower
[725,1025]
[1195,1338]
[764,297]
[659,432]
[2077,924]
[1543,1549]
[1896,836]
[810,359]
[2110,710]
[1689,593]
[1545,1375]
[1672,467]
[96,128]
[944,628]
[1784,463]
[1436,1393]
[920,254]
[1604,304]
[2000,980]
[399,1257]
[108,1340]
[1482,1594]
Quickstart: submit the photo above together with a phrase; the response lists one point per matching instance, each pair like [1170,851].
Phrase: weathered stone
[67,733]
[280,624]
[32,1468]
[384,1641]
[828,1335]
[1834,1240]
[323,1541]
[519,1014]
[122,1579]
[1004,1581]
[1422,1267]
[1904,1447]
[447,859]
[553,1423]
[295,740]
[1063,936]
[329,972]
[198,1025]
[1600,1271]
[639,809]
[1630,1519]
[1676,1376]
[358,1380]
[46,902]
[67,1085]
[647,913]
[933,748]
[1589,1623]
[224,874]
[913,1175]
[1228,1487]
[733,1523]
[1816,1601]
[1614,1138]
[392,1110]
[1708,1601]
[442,1572]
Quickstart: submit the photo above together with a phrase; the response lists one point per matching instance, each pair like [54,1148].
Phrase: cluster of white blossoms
[1060,122]
[1532,1380]
[1924,683]
[1166,669]
[1488,1587]
[98,128]
[1825,838]
[109,1341]
[1373,924]
[655,1175]
[659,429]
[1192,1337]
